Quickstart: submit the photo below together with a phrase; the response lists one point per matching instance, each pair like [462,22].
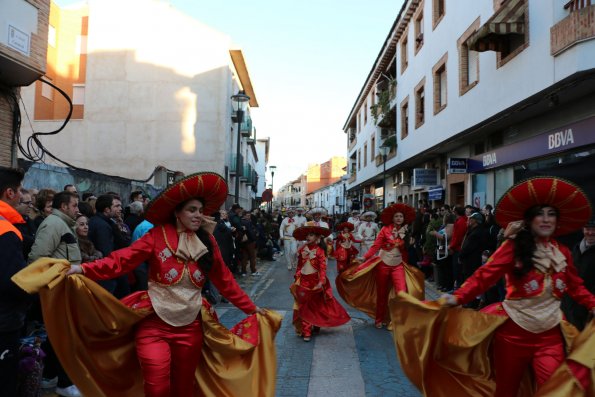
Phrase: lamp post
[384,151]
[239,102]
[273,168]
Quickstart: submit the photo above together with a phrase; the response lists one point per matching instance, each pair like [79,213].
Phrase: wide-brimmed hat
[344,225]
[369,213]
[574,208]
[317,210]
[209,187]
[388,213]
[302,232]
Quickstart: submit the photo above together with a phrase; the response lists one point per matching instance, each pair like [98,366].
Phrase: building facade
[146,105]
[482,94]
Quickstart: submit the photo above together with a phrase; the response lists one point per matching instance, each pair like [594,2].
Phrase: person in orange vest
[13,300]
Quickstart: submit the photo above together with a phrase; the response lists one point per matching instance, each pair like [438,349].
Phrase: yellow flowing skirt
[93,335]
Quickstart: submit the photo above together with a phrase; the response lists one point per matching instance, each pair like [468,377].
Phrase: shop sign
[436,193]
[457,165]
[571,136]
[425,177]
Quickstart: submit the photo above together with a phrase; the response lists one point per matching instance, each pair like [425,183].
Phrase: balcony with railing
[233,164]
[246,173]
[577,27]
[246,126]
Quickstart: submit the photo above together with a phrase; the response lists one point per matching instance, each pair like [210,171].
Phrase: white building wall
[158,89]
[526,74]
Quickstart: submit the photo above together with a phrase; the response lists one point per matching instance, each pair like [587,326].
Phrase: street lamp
[273,168]
[384,151]
[239,102]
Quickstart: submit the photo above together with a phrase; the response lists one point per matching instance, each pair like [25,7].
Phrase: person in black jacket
[223,233]
[474,243]
[248,244]
[103,235]
[583,255]
[13,300]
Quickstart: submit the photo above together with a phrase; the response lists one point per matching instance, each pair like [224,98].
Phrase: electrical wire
[35,151]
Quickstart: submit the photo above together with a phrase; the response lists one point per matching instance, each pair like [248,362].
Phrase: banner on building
[425,177]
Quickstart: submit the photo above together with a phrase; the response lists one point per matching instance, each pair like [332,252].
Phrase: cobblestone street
[352,360]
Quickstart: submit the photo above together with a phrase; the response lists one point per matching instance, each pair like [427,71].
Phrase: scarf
[548,257]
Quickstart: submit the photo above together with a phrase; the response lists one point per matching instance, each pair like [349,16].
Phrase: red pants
[515,349]
[387,276]
[168,356]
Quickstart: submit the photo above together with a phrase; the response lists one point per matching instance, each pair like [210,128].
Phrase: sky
[307,60]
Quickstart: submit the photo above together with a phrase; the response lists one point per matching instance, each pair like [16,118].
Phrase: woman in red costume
[344,249]
[315,305]
[538,272]
[181,252]
[367,286]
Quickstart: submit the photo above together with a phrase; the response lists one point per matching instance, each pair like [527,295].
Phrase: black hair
[134,194]
[87,195]
[63,197]
[67,186]
[524,242]
[10,178]
[460,211]
[205,261]
[104,201]
[86,209]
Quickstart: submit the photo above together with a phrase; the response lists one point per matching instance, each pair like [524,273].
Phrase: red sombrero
[344,225]
[208,186]
[301,232]
[387,214]
[571,202]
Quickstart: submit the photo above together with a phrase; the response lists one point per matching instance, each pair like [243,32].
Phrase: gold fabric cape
[93,335]
[357,285]
[446,351]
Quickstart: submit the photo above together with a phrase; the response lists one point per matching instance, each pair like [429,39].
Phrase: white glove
[448,300]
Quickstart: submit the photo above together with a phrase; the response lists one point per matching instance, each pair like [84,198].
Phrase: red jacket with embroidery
[386,241]
[318,262]
[157,248]
[502,263]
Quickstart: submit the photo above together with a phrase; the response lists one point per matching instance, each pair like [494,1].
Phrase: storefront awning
[494,34]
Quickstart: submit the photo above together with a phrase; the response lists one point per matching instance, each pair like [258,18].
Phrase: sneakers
[49,383]
[306,339]
[255,274]
[70,391]
[243,274]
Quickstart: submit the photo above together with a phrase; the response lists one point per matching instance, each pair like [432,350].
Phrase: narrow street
[352,360]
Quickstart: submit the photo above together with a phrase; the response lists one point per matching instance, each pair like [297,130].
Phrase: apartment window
[365,154]
[515,43]
[468,60]
[46,90]
[358,122]
[404,61]
[359,159]
[373,96]
[419,29]
[420,99]
[52,36]
[372,148]
[78,94]
[439,77]
[365,112]
[405,118]
[438,12]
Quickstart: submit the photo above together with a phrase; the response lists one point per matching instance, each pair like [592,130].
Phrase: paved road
[353,360]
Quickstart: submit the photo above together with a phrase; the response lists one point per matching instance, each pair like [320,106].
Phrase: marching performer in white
[288,225]
[367,231]
[299,218]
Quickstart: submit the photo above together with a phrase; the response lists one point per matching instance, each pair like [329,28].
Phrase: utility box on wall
[23,41]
